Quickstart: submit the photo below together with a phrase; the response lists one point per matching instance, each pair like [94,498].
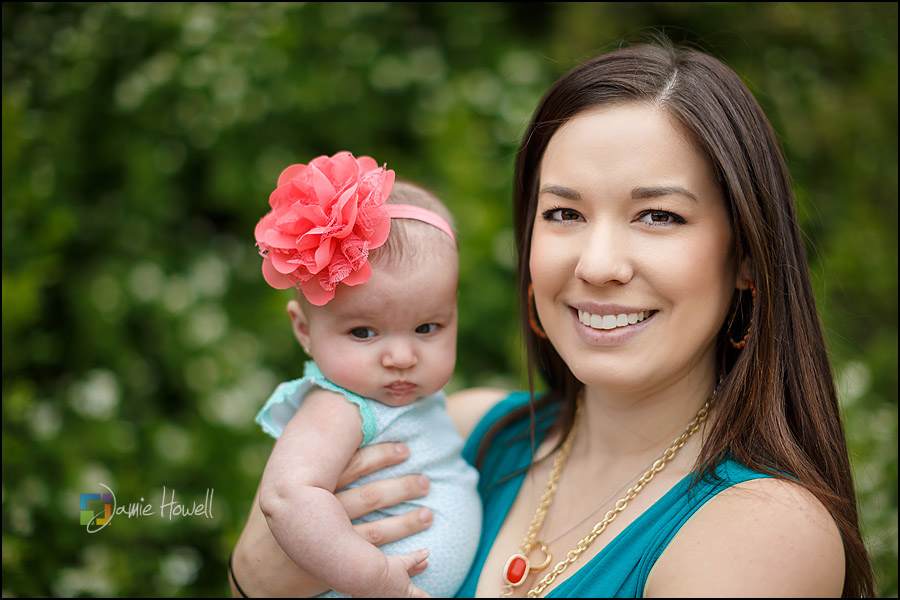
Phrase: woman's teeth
[611,321]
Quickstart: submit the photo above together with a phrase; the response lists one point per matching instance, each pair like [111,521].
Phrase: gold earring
[532,314]
[743,342]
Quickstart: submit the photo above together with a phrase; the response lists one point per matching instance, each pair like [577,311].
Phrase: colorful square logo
[88,515]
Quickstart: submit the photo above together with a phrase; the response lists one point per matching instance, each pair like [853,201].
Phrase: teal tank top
[620,570]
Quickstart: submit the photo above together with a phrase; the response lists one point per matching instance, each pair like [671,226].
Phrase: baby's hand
[396,583]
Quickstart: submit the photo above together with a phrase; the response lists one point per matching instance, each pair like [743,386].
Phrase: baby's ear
[300,325]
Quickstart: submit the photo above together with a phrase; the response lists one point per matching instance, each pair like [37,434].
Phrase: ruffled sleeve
[286,399]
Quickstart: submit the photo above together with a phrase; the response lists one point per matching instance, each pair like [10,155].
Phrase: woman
[667,297]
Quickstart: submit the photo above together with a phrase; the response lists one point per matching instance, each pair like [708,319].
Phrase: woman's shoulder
[762,537]
[468,407]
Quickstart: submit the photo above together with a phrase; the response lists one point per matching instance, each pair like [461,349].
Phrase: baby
[378,317]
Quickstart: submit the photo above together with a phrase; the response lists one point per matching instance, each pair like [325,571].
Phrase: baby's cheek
[445,369]
[342,371]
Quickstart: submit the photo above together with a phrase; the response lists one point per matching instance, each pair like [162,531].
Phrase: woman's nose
[606,256]
[399,354]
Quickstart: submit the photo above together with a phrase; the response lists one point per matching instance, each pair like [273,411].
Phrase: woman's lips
[610,325]
[611,321]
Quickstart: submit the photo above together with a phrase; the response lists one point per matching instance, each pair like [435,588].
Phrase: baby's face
[393,338]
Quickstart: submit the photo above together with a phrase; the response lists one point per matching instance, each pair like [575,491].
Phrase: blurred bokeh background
[141,141]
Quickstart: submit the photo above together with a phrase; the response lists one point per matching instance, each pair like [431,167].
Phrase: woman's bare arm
[467,407]
[762,538]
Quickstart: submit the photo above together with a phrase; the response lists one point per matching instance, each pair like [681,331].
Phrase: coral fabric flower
[325,218]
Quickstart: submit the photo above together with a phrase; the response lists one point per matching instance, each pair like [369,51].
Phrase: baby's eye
[427,328]
[362,333]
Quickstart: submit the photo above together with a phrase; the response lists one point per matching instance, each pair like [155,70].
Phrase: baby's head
[412,238]
[393,337]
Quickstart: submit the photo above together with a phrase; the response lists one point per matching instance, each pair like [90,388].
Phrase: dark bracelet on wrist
[234,579]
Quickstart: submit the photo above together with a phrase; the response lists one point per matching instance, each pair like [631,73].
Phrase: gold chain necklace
[518,566]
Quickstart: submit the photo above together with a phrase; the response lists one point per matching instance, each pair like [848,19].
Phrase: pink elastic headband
[407,211]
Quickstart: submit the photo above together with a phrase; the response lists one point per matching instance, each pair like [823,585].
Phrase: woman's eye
[362,333]
[427,328]
[561,214]
[660,217]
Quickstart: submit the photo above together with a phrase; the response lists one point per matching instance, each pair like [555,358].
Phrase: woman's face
[631,255]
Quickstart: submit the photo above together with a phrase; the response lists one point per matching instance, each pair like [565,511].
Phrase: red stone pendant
[516,569]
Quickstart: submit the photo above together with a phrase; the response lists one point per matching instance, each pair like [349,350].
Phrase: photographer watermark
[99,510]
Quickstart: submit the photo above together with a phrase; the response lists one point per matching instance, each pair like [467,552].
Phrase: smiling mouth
[612,321]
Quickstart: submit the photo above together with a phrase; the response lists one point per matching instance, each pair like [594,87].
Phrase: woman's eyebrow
[638,193]
[643,193]
[561,191]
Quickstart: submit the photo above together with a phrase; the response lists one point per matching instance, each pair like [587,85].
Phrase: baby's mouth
[400,387]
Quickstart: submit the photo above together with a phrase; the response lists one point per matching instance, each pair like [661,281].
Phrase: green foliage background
[141,141]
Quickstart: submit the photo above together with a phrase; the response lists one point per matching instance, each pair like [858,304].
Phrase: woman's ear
[300,325]
[744,275]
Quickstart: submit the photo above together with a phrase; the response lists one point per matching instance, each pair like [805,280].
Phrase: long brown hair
[777,409]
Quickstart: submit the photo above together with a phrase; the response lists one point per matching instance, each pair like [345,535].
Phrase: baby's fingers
[419,568]
[415,563]
[416,592]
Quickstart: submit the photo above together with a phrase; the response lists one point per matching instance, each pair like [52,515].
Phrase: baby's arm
[297,497]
